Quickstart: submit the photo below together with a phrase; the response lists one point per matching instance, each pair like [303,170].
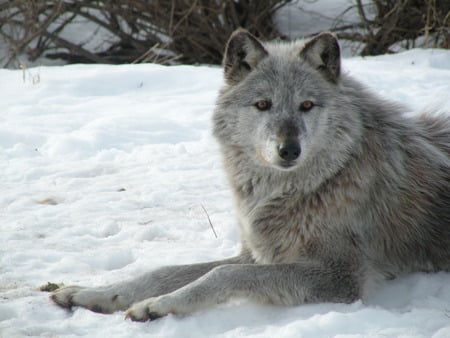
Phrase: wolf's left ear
[323,53]
[242,54]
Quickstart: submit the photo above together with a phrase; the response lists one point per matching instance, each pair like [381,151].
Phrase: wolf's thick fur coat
[335,189]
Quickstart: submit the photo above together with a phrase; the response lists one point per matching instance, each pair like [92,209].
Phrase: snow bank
[105,171]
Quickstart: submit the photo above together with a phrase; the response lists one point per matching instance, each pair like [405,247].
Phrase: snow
[105,171]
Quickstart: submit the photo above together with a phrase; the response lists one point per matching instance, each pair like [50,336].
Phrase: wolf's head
[283,104]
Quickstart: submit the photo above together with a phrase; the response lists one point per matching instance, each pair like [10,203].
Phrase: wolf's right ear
[323,53]
[242,54]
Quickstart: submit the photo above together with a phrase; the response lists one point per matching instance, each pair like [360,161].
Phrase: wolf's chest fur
[283,226]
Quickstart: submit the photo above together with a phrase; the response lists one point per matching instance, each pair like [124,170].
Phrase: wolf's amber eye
[263,105]
[306,105]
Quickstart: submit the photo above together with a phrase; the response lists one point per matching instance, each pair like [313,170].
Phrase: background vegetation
[194,31]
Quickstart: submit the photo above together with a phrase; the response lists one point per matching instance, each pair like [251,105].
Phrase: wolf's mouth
[286,165]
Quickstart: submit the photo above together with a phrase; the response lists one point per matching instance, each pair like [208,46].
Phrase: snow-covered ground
[105,171]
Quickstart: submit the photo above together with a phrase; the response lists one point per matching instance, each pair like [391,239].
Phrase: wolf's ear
[323,53]
[242,54]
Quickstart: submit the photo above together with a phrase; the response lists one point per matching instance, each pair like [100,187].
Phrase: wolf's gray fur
[335,189]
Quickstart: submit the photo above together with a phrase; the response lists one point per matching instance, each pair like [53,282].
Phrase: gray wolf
[336,189]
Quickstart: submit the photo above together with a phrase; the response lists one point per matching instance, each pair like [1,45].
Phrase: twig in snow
[209,220]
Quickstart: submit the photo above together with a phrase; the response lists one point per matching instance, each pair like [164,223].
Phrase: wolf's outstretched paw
[149,309]
[95,299]
[64,296]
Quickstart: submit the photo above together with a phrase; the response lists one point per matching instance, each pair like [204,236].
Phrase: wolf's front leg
[122,295]
[284,284]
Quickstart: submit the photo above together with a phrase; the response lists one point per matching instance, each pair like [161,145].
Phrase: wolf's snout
[289,150]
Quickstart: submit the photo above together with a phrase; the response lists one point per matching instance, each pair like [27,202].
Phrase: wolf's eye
[306,105]
[263,105]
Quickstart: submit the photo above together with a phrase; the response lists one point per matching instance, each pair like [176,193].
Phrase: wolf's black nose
[289,150]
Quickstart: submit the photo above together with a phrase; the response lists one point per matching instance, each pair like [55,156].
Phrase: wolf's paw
[64,296]
[149,309]
[96,300]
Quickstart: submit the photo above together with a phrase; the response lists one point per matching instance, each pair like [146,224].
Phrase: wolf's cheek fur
[262,146]
[266,153]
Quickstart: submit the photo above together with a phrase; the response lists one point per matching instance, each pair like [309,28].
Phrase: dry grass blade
[209,220]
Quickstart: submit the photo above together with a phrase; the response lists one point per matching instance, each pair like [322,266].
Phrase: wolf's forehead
[284,62]
[281,71]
